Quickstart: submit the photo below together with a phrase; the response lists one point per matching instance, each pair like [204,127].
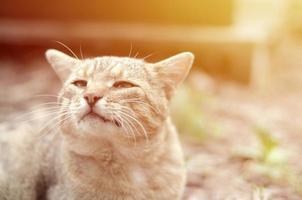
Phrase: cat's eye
[80,83]
[123,84]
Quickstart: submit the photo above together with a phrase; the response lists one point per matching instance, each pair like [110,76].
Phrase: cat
[115,141]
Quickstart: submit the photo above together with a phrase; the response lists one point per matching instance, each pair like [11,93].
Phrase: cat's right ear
[60,62]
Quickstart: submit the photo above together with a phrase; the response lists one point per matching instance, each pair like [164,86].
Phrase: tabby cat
[115,139]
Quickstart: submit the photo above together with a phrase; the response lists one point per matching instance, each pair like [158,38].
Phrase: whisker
[123,120]
[82,57]
[62,117]
[50,96]
[33,112]
[43,110]
[149,55]
[47,103]
[130,122]
[136,55]
[130,127]
[54,126]
[46,112]
[47,95]
[47,106]
[69,49]
[129,55]
[120,121]
[134,119]
[123,107]
[141,102]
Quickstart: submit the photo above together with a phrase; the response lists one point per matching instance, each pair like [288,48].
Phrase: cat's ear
[172,71]
[60,62]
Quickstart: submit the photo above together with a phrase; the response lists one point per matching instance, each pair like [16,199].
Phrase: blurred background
[239,113]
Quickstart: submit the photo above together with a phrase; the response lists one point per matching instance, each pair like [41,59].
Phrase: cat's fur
[135,155]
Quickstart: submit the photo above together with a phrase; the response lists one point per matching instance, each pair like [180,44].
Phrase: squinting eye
[80,83]
[123,84]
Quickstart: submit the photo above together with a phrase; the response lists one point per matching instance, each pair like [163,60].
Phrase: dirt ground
[231,165]
[254,153]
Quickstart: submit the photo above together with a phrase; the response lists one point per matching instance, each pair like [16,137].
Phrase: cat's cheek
[79,110]
[102,109]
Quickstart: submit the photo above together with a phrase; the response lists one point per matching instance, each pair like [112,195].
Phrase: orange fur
[134,154]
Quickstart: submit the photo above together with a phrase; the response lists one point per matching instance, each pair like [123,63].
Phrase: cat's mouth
[95,115]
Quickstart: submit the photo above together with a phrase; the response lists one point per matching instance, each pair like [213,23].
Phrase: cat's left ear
[172,71]
[60,62]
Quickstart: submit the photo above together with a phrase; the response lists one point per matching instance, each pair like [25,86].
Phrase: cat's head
[121,98]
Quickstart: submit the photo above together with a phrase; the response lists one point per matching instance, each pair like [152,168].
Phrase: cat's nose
[91,98]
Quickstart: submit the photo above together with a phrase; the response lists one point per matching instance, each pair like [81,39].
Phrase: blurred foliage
[186,111]
[270,159]
[260,194]
[269,147]
[273,160]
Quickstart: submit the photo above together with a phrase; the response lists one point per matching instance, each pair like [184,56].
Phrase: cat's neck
[108,160]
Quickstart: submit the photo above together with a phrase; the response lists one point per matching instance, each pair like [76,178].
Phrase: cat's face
[122,99]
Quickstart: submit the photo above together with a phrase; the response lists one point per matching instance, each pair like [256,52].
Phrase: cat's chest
[138,177]
[117,181]
[131,185]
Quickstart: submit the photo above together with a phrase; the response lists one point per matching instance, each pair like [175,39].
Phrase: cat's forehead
[113,66]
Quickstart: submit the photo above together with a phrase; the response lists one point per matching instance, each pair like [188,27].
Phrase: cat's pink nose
[91,98]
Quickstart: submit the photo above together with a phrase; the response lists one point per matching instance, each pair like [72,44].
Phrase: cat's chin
[96,124]
[96,118]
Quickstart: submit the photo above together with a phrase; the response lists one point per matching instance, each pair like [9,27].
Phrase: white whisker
[135,120]
[141,102]
[69,49]
[124,122]
[130,52]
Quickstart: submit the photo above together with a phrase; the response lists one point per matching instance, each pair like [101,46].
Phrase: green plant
[271,160]
[186,112]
